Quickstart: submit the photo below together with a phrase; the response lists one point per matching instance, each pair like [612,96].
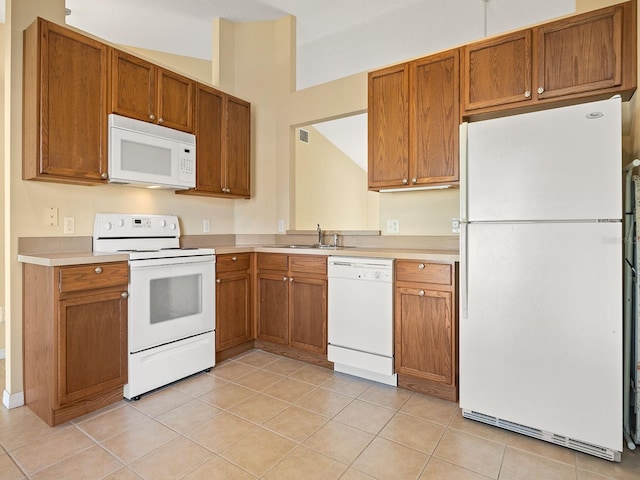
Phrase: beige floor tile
[478,429]
[232,370]
[122,474]
[112,422]
[439,470]
[188,416]
[347,385]
[259,408]
[365,416]
[258,451]
[199,384]
[353,474]
[257,358]
[542,448]
[387,460]
[94,462]
[339,441]
[295,423]
[8,469]
[133,444]
[161,401]
[470,452]
[386,396]
[285,366]
[227,396]
[26,430]
[314,375]
[259,380]
[16,417]
[430,408]
[324,402]
[413,432]
[220,432]
[519,465]
[305,462]
[218,468]
[172,460]
[289,390]
[627,469]
[51,449]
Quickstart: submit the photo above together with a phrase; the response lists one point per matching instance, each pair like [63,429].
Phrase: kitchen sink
[320,246]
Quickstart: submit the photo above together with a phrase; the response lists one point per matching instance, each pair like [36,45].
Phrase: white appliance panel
[547,165]
[542,343]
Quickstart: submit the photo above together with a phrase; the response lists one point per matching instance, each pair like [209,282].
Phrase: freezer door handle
[463,171]
[463,269]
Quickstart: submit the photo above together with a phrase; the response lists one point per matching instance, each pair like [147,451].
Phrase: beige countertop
[81,258]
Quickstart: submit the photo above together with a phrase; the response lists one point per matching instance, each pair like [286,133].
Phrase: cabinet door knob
[161,120]
[152,117]
[421,293]
[284,279]
[124,294]
[98,269]
[405,181]
[217,280]
[233,259]
[291,279]
[527,94]
[104,175]
[540,89]
[414,180]
[421,266]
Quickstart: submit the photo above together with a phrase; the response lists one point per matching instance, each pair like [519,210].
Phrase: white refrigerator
[541,275]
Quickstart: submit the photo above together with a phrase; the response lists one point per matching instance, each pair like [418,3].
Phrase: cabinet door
[434,120]
[209,133]
[388,119]
[233,309]
[237,148]
[497,71]
[175,100]
[580,54]
[133,86]
[65,105]
[273,301]
[424,334]
[308,313]
[92,348]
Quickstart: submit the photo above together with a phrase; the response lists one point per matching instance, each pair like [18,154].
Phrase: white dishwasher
[360,323]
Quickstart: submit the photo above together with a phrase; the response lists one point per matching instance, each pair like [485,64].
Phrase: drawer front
[96,275]
[308,264]
[424,272]
[233,262]
[272,261]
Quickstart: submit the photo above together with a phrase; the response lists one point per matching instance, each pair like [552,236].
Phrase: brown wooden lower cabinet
[75,338]
[426,353]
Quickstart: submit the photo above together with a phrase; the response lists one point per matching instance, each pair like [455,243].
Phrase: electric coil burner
[171,305]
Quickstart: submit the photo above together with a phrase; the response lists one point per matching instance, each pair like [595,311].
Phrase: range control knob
[121,222]
[172,226]
[107,225]
[163,223]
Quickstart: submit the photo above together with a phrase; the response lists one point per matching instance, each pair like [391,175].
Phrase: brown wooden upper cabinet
[223,139]
[587,55]
[413,123]
[65,85]
[147,92]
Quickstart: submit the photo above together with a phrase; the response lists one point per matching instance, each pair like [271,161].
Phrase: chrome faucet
[319,235]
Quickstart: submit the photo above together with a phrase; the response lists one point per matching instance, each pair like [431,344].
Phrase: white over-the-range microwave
[145,154]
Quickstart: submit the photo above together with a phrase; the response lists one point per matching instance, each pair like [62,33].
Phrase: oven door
[170,299]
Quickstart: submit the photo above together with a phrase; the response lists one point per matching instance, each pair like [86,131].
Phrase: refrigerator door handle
[463,269]
[463,171]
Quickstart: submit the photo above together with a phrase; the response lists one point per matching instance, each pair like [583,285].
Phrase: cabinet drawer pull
[527,94]
[104,175]
[98,269]
[124,294]
[234,259]
[421,293]
[421,266]
[217,280]
[540,89]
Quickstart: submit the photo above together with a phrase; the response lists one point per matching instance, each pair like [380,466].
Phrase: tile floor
[264,416]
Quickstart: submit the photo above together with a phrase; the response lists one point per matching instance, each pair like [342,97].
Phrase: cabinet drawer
[308,264]
[233,262]
[272,261]
[97,275]
[423,272]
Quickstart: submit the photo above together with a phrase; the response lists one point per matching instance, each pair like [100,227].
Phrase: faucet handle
[335,239]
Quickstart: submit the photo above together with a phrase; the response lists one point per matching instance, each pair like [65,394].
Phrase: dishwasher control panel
[367,269]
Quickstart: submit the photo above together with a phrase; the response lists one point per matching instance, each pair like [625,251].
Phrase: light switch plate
[51,216]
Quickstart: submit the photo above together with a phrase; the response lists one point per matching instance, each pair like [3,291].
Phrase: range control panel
[114,225]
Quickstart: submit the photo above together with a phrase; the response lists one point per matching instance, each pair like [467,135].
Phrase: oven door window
[175,297]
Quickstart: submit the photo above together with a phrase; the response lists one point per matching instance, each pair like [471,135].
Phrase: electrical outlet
[69,225]
[51,216]
[206,225]
[280,226]
[393,226]
[455,225]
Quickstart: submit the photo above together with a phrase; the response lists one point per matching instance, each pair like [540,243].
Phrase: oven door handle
[156,262]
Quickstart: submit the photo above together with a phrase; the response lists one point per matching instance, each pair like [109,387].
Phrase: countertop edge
[71,258]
